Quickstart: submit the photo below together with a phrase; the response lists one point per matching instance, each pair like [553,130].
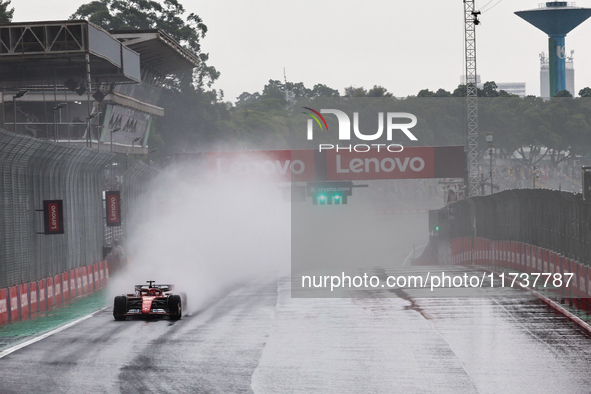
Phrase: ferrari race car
[150,300]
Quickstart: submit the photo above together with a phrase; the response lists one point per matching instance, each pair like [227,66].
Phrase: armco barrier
[23,295]
[3,306]
[29,300]
[13,295]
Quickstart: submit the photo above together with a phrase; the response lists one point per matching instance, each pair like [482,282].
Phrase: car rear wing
[161,287]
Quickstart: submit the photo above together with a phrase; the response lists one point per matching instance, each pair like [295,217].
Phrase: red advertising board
[84,275]
[102,273]
[23,294]
[57,289]
[90,270]
[33,299]
[73,292]
[3,306]
[347,163]
[42,295]
[113,205]
[274,165]
[13,294]
[78,282]
[97,281]
[53,217]
[50,298]
[65,287]
[411,163]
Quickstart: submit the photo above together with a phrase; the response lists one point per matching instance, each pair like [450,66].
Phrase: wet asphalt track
[259,338]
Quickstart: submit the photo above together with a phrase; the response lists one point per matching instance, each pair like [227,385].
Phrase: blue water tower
[556,19]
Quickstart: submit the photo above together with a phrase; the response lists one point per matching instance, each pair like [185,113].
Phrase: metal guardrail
[555,220]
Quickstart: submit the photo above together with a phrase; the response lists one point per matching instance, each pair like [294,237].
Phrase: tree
[378,91]
[563,93]
[5,13]
[426,93]
[355,92]
[585,92]
[152,14]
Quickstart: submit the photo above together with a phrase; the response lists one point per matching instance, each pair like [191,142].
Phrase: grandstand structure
[73,82]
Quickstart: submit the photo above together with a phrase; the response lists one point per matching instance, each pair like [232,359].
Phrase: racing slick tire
[120,308]
[175,307]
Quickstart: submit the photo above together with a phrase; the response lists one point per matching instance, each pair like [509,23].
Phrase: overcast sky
[404,46]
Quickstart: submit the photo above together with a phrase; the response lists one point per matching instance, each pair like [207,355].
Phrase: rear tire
[120,308]
[175,307]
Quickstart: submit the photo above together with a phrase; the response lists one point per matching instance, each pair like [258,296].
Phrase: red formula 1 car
[149,300]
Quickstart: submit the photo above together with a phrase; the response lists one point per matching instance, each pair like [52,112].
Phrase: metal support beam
[470,22]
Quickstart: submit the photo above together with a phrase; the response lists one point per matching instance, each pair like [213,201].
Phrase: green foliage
[585,92]
[5,13]
[166,15]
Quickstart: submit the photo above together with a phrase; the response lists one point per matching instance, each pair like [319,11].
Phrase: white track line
[6,352]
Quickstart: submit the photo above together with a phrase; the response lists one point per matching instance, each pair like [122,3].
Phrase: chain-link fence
[32,171]
[554,220]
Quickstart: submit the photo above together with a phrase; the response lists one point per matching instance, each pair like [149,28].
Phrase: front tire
[175,307]
[120,308]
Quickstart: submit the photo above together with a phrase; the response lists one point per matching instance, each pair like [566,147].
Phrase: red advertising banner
[78,282]
[97,281]
[113,205]
[91,277]
[65,287]
[273,165]
[3,306]
[411,163]
[53,217]
[42,297]
[13,294]
[23,293]
[358,162]
[50,298]
[57,289]
[33,303]
[72,284]
[84,275]
[102,273]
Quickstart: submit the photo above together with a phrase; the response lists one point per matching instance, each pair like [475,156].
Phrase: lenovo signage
[340,163]
[53,216]
[113,204]
[279,165]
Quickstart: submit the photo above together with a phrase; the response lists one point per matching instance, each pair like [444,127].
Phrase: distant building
[545,75]
[517,88]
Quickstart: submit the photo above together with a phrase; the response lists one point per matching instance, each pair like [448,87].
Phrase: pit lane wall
[515,256]
[33,299]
